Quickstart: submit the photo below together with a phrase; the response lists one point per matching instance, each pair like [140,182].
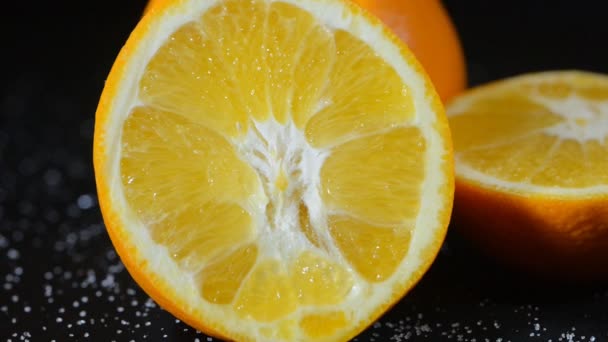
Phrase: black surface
[59,276]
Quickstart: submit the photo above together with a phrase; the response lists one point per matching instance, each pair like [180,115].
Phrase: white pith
[278,150]
[584,121]
[277,147]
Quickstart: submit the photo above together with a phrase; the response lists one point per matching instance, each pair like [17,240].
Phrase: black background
[59,276]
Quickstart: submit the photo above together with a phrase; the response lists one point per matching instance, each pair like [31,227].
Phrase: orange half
[272,170]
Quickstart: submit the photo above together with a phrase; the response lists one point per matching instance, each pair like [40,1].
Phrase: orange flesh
[512,136]
[425,26]
[192,190]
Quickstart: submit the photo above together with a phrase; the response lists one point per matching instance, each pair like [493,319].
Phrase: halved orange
[272,170]
[532,171]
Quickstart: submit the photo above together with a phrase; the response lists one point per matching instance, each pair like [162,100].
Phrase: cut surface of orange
[532,170]
[427,29]
[272,170]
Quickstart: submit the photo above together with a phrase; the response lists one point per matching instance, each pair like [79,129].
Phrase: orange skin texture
[126,247]
[425,26]
[555,238]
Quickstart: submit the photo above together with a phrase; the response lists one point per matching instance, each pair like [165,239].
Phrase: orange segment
[221,280]
[490,158]
[318,281]
[531,161]
[287,27]
[376,178]
[159,146]
[316,59]
[187,64]
[310,274]
[595,161]
[162,147]
[355,105]
[267,294]
[564,167]
[375,252]
[196,235]
[500,122]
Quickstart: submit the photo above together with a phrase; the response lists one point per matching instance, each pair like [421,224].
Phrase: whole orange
[427,29]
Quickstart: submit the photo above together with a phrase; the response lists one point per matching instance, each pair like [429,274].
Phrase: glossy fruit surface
[272,171]
[531,171]
[426,27]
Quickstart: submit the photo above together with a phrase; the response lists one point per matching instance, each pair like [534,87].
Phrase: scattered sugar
[12,254]
[85,201]
[82,287]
